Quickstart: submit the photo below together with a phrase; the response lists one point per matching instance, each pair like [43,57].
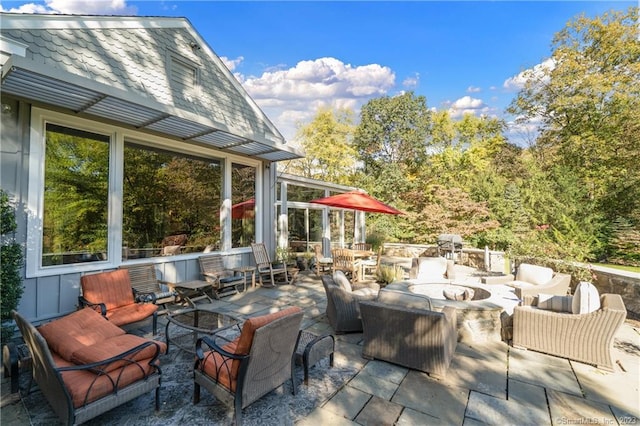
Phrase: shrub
[389,273]
[11,262]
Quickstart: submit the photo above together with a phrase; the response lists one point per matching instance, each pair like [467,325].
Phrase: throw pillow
[549,302]
[534,274]
[585,299]
[431,269]
[399,298]
[342,281]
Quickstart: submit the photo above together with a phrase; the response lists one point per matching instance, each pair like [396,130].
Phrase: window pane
[243,184]
[76,182]
[301,193]
[171,203]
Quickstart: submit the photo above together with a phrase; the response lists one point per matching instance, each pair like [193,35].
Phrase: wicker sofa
[84,365]
[586,337]
[343,298]
[402,328]
[530,280]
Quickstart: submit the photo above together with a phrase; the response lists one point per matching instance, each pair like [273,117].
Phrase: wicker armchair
[85,366]
[343,311]
[258,361]
[402,329]
[586,338]
[111,294]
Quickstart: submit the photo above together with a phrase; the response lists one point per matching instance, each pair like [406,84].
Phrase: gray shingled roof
[120,69]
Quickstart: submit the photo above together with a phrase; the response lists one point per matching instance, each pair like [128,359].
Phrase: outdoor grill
[449,245]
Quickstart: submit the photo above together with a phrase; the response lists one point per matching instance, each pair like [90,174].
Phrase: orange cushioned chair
[111,294]
[256,362]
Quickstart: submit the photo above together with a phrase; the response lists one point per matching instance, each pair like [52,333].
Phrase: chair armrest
[500,279]
[95,306]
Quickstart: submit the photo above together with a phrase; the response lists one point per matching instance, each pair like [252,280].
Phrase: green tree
[327,142]
[11,256]
[589,104]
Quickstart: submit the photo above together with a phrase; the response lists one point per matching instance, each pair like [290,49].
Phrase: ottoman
[311,349]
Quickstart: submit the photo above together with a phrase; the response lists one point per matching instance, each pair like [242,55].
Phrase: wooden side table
[244,270]
[192,291]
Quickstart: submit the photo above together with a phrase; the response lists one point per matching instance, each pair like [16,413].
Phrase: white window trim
[35,204]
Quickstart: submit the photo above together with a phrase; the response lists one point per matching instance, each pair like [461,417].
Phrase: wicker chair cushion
[73,332]
[342,281]
[85,386]
[431,269]
[553,303]
[112,288]
[113,347]
[407,300]
[585,299]
[534,274]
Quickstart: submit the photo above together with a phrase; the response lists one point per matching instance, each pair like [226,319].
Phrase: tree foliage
[11,262]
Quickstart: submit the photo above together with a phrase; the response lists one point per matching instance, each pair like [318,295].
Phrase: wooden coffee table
[192,291]
[185,327]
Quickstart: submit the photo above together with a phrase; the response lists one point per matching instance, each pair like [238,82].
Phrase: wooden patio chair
[147,287]
[370,266]
[267,273]
[322,263]
[223,280]
[344,260]
[361,246]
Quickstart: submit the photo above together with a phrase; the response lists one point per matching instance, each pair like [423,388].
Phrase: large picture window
[76,196]
[171,203]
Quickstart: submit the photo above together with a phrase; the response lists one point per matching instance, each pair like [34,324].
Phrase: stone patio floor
[487,383]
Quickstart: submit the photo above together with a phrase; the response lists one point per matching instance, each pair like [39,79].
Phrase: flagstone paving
[487,383]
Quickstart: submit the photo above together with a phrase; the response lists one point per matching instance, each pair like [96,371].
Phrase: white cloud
[292,96]
[78,7]
[232,64]
[538,73]
[473,89]
[468,105]
[411,82]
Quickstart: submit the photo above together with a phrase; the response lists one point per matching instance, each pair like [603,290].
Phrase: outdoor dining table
[362,255]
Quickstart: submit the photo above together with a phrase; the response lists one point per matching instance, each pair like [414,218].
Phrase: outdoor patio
[487,382]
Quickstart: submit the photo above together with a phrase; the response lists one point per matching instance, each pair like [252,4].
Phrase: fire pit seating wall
[530,280]
[431,270]
[85,365]
[402,328]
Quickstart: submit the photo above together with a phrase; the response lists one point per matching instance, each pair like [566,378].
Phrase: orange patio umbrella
[356,200]
[244,210]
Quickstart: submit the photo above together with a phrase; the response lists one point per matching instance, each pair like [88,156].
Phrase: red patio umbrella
[244,210]
[355,200]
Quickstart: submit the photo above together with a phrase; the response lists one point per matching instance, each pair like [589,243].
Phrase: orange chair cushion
[113,347]
[85,387]
[222,369]
[73,332]
[131,313]
[112,288]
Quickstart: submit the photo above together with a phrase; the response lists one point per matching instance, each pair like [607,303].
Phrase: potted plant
[10,279]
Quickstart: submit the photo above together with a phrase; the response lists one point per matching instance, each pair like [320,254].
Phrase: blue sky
[294,57]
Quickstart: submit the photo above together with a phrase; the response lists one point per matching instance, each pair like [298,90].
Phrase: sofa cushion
[342,281]
[431,269]
[73,332]
[115,346]
[549,302]
[585,299]
[131,313]
[112,288]
[221,368]
[534,274]
[408,300]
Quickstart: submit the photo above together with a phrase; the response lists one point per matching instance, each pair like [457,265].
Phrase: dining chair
[344,260]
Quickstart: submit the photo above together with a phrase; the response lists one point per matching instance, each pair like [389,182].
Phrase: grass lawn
[624,268]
